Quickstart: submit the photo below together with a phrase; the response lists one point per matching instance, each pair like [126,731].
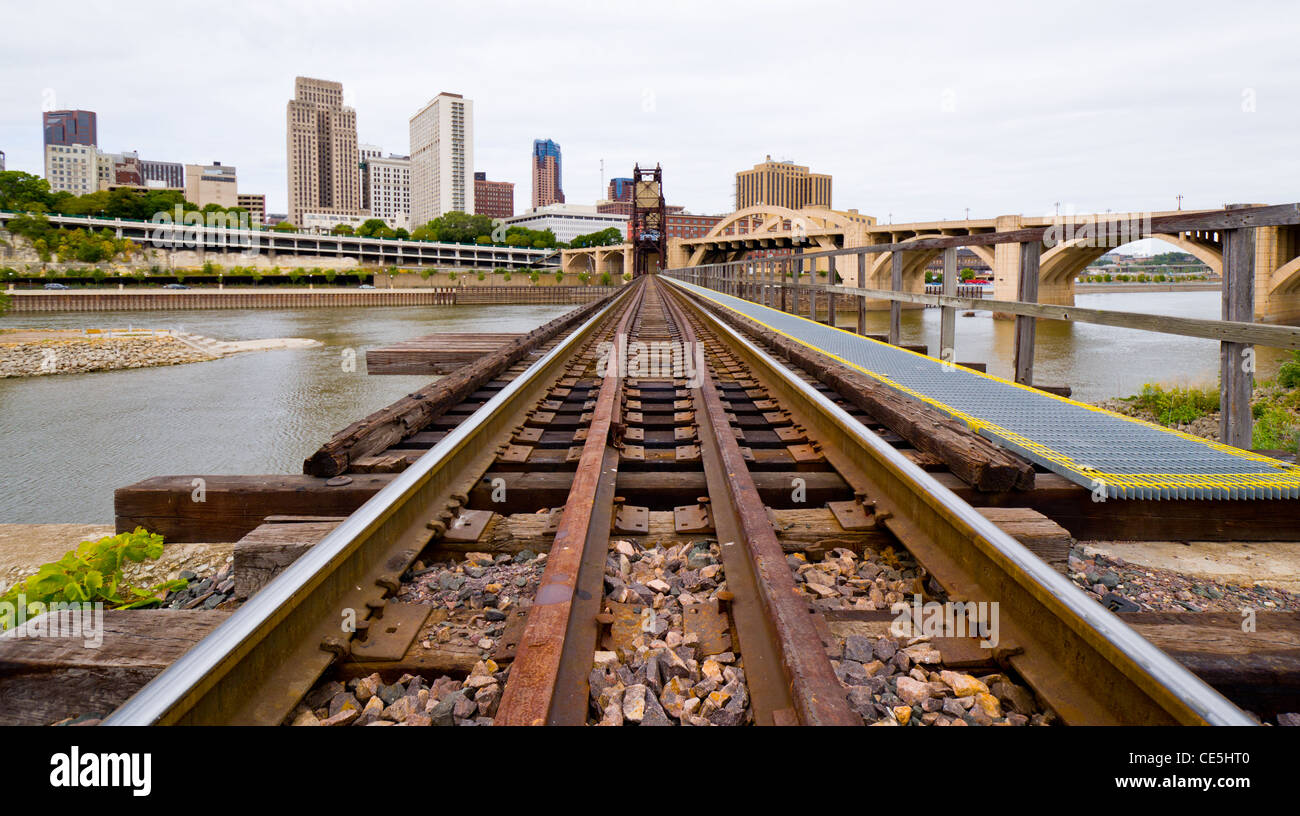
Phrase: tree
[23,192]
[342,229]
[373,228]
[605,237]
[284,226]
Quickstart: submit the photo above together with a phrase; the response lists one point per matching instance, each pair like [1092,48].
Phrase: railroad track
[727,540]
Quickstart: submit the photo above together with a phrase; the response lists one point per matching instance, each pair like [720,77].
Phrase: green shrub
[92,573]
[1275,428]
[1288,376]
[1176,405]
[482,275]
[605,279]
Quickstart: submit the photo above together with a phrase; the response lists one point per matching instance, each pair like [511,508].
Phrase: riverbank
[114,299]
[36,353]
[1274,403]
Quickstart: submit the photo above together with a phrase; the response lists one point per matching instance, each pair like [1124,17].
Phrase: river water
[66,441]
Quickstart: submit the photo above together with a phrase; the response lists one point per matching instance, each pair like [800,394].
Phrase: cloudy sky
[918,110]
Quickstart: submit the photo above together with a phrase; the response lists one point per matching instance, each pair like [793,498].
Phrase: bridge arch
[1062,263]
[1286,279]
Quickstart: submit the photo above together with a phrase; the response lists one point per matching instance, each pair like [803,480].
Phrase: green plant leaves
[93,573]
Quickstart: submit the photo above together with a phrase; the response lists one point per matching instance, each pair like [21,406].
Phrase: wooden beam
[1026,325]
[862,302]
[1259,334]
[1237,360]
[948,314]
[1072,507]
[895,307]
[46,679]
[232,506]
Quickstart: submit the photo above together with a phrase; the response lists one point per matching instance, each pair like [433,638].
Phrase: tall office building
[620,189]
[70,127]
[72,168]
[782,184]
[323,162]
[442,151]
[386,189]
[547,182]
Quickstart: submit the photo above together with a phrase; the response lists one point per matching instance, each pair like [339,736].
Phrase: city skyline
[1042,122]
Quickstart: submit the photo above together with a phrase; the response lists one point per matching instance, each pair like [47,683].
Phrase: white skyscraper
[442,158]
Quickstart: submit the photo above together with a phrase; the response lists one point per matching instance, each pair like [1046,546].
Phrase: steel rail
[1062,642]
[548,678]
[815,691]
[255,666]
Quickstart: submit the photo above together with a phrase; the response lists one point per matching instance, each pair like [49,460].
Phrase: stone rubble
[892,681]
[79,356]
[901,682]
[412,700]
[210,592]
[664,675]
[492,585]
[874,580]
[1132,587]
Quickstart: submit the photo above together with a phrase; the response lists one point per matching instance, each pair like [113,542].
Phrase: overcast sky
[918,110]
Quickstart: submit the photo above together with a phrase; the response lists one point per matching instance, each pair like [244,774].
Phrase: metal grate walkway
[1095,448]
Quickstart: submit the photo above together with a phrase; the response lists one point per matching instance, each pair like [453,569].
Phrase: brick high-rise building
[323,162]
[620,189]
[782,184]
[495,199]
[70,127]
[442,153]
[548,187]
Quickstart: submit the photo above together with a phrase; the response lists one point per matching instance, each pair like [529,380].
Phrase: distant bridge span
[760,230]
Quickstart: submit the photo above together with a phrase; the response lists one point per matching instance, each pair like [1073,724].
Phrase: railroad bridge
[1077,240]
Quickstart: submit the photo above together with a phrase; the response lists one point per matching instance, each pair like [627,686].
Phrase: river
[66,441]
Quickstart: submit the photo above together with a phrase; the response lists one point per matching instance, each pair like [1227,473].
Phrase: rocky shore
[75,356]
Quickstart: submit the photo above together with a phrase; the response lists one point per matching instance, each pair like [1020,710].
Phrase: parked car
[55,286]
[176,286]
[365,286]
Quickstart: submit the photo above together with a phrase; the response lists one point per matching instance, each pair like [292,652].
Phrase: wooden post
[1237,360]
[948,314]
[1026,327]
[862,302]
[895,307]
[798,276]
[830,299]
